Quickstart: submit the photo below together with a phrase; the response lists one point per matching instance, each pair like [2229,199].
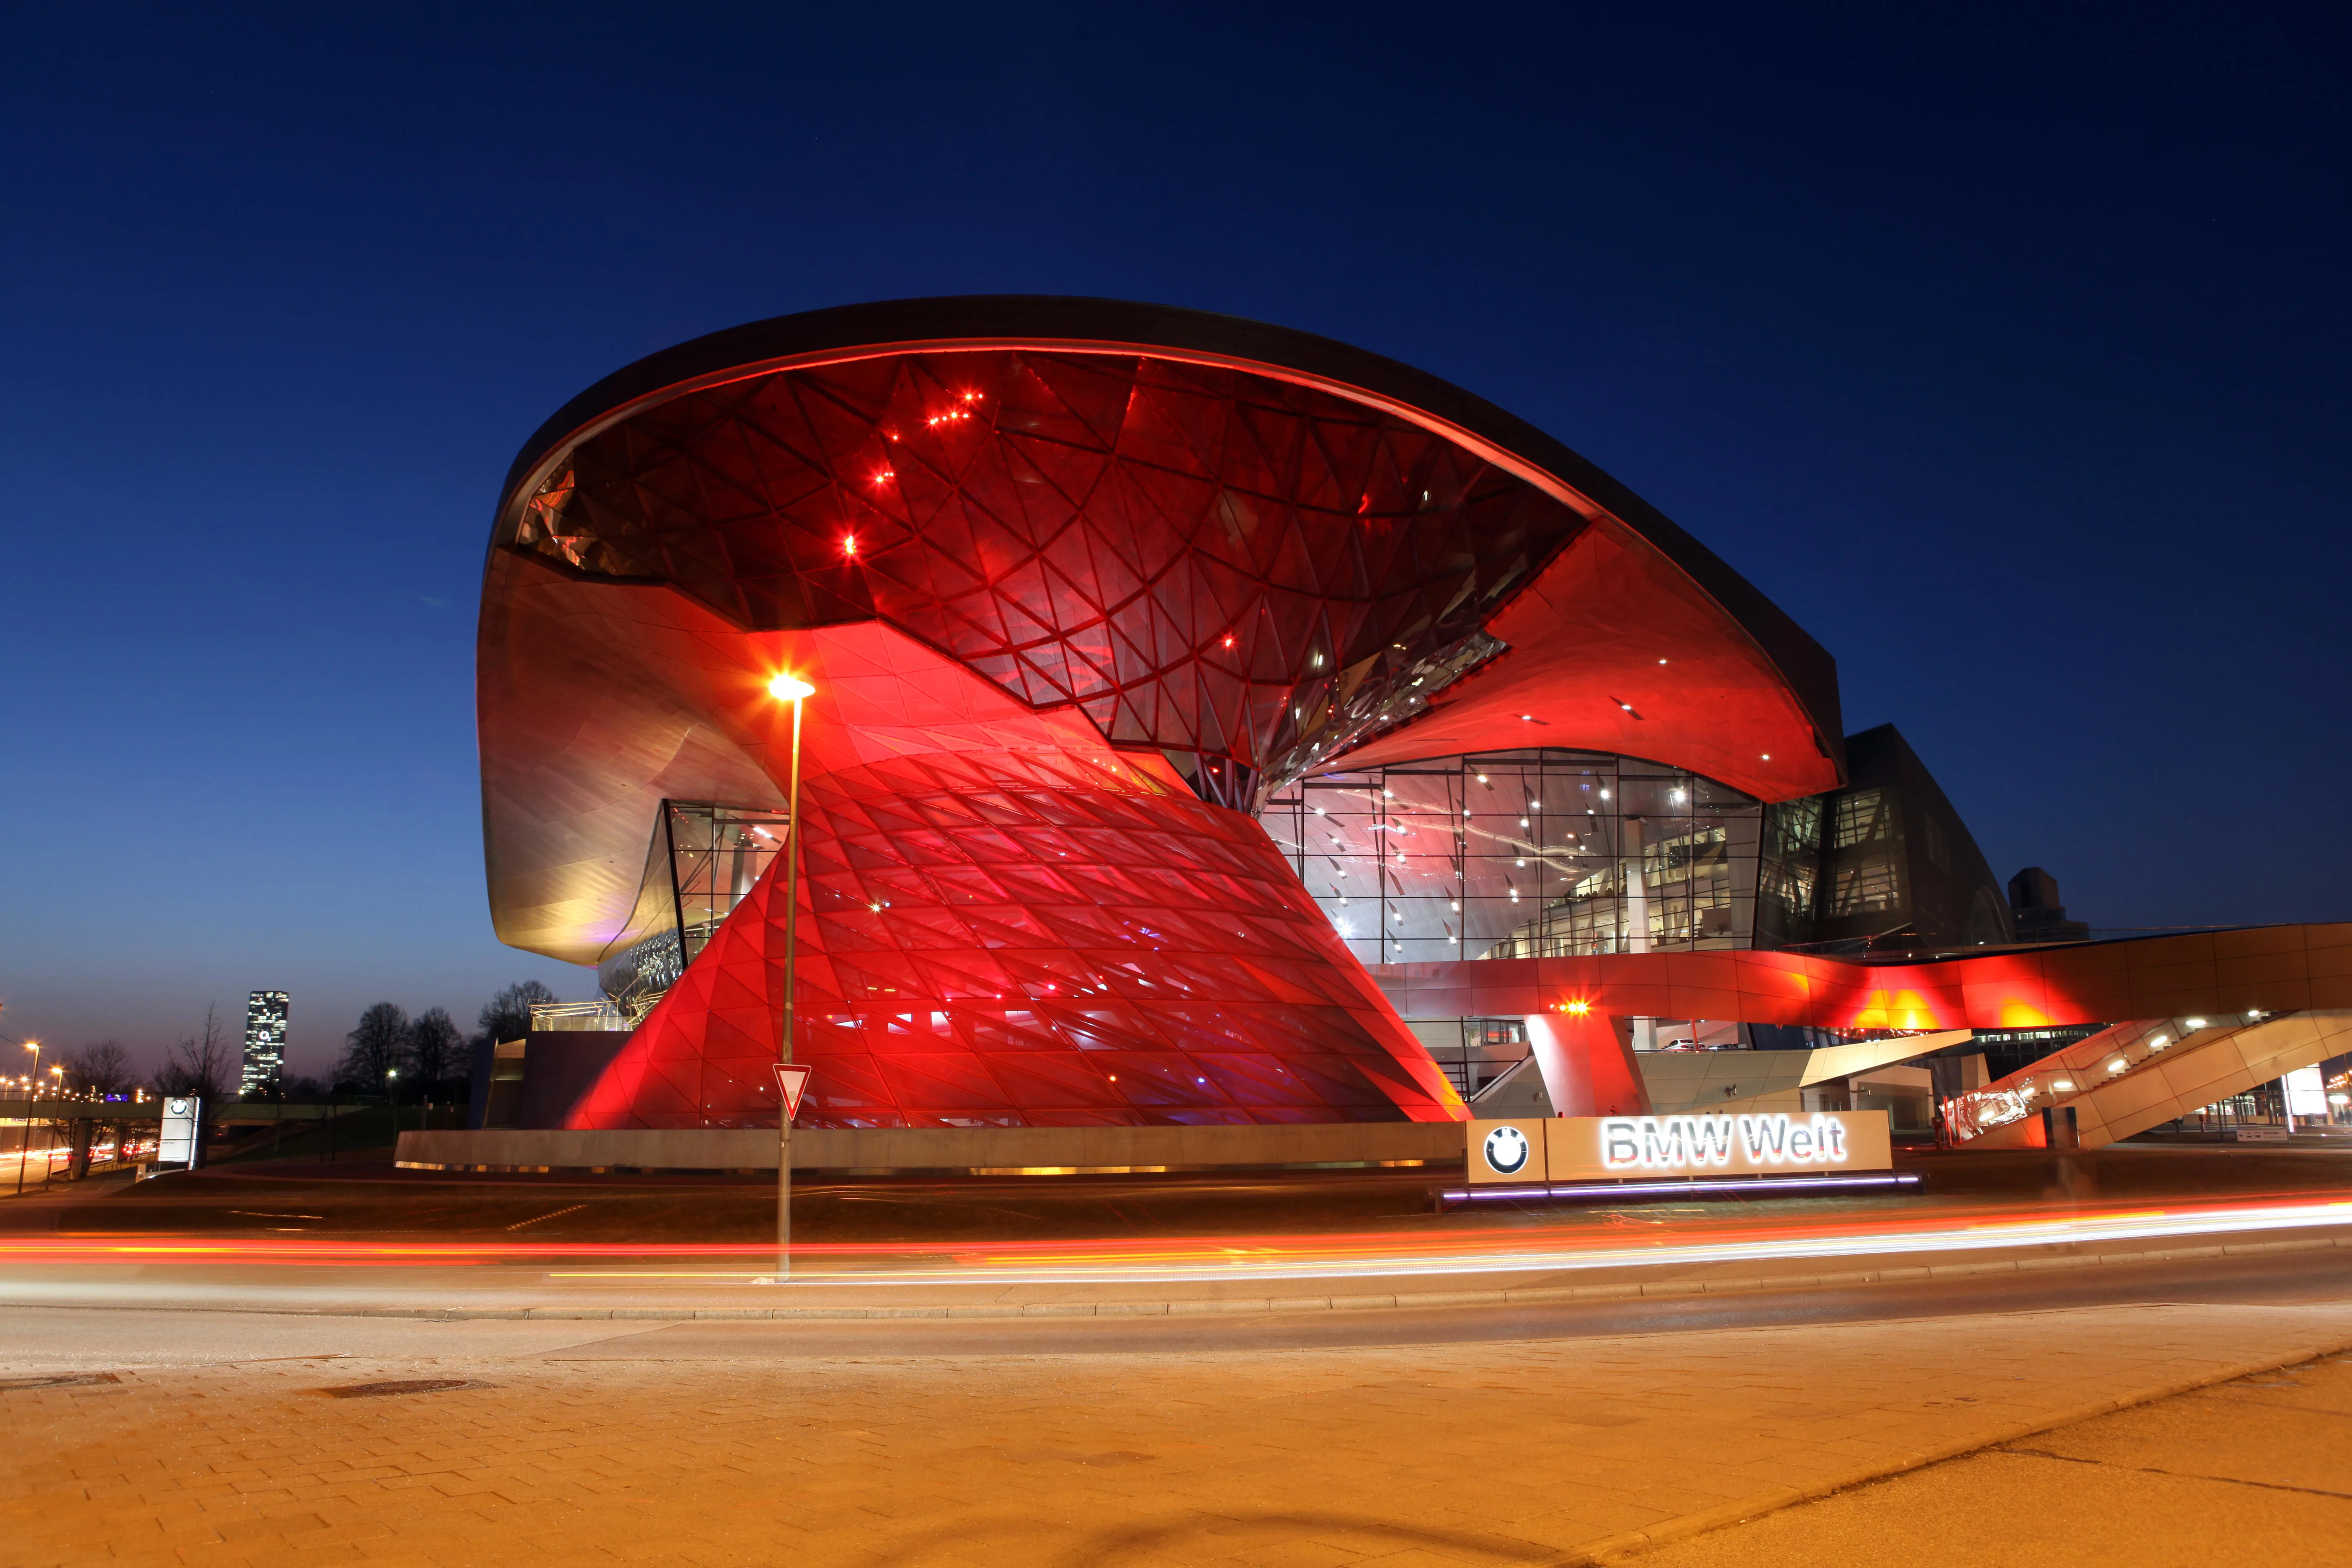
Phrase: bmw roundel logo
[1506,1149]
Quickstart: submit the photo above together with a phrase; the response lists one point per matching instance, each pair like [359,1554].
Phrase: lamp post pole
[48,1164]
[25,1137]
[794,691]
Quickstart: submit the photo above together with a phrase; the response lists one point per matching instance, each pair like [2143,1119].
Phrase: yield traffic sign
[790,1078]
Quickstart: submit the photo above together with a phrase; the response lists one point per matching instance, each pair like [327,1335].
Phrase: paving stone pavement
[1527,1452]
[2257,1470]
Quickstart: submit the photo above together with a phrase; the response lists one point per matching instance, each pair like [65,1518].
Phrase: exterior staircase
[2131,1077]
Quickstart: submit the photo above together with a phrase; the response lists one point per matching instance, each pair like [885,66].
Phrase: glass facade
[1531,854]
[1899,867]
[704,858]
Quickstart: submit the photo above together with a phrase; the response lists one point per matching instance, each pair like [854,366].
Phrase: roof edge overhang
[979,322]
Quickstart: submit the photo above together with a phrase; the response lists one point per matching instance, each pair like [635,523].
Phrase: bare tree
[507,1015]
[433,1048]
[377,1049]
[102,1069]
[201,1065]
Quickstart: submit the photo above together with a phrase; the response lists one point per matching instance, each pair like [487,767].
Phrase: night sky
[2005,350]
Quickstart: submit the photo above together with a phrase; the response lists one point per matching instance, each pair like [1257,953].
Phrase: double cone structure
[1079,585]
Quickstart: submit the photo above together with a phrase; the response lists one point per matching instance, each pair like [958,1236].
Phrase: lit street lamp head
[784,689]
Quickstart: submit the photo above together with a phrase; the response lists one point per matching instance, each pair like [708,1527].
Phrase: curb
[1631,1543]
[1255,1306]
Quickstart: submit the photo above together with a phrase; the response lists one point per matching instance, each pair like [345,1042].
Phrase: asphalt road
[39,1338]
[375,1199]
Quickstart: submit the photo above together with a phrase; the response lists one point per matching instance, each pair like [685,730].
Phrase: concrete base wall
[990,1150]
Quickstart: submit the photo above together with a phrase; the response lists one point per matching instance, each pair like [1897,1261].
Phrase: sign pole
[786,1103]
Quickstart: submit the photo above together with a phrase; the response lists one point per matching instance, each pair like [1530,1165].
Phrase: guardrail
[218,1113]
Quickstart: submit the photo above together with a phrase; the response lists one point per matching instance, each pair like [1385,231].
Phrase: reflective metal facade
[1148,569]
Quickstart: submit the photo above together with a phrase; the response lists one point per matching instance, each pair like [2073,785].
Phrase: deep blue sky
[2006,350]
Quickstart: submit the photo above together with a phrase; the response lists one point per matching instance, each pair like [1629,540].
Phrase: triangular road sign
[791,1078]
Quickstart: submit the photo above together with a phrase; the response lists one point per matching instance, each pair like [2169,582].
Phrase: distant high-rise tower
[265,1042]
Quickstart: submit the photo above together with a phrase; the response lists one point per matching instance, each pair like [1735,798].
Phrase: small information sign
[183,1120]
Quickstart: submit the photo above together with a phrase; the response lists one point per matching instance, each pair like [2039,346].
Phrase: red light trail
[1593,1242]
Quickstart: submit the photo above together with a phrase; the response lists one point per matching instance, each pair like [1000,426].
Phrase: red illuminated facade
[1080,586]
[2262,969]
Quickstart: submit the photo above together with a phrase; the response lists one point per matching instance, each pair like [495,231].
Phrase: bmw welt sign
[1655,1148]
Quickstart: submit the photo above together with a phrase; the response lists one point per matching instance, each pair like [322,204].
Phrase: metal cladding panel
[2140,978]
[1615,649]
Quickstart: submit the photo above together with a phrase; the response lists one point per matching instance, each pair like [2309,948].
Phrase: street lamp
[787,689]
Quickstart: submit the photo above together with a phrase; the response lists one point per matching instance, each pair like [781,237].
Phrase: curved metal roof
[1247,551]
[992,321]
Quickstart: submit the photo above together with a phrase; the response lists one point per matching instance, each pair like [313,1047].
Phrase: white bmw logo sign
[1506,1149]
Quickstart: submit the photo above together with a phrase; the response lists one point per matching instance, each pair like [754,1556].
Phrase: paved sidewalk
[2257,1471]
[1493,1453]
